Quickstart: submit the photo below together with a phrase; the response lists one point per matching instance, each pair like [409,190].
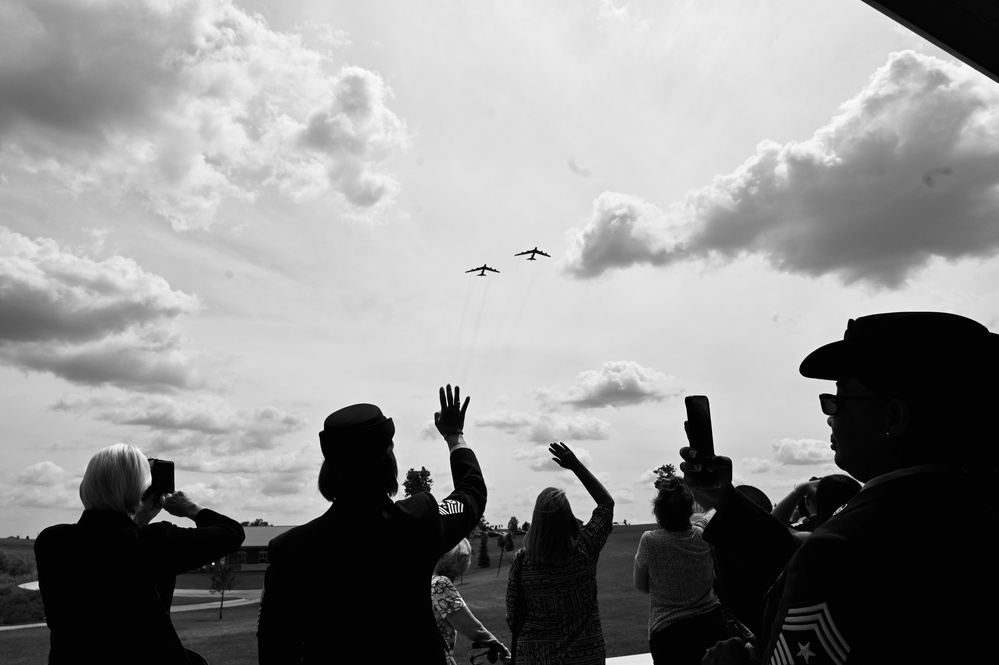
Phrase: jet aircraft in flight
[532,253]
[482,270]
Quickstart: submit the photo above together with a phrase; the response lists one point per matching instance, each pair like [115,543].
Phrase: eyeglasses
[828,402]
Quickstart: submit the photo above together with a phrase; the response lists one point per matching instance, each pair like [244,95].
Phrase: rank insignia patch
[450,507]
[809,635]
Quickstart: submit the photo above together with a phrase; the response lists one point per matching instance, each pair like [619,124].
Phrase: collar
[105,519]
[906,471]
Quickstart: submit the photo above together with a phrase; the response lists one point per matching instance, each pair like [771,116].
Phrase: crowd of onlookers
[857,568]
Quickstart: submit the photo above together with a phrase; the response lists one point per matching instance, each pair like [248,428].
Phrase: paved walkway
[233,598]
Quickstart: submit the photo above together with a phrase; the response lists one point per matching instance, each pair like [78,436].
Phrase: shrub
[20,606]
[15,565]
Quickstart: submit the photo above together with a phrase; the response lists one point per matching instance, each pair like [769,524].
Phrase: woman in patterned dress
[551,598]
[451,612]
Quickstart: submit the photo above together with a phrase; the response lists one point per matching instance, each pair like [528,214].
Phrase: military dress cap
[356,431]
[902,346]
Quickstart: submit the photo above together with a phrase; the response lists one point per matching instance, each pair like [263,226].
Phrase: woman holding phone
[107,581]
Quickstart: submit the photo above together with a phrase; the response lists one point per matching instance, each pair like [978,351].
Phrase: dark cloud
[853,201]
[89,321]
[192,425]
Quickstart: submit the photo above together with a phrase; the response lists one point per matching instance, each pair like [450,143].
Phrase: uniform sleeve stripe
[817,619]
[450,507]
[823,616]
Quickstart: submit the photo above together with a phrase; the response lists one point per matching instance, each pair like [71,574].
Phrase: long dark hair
[554,529]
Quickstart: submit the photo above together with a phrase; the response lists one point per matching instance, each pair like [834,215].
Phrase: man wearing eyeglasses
[895,576]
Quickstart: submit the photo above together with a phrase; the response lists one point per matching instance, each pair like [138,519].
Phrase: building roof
[967,29]
[260,536]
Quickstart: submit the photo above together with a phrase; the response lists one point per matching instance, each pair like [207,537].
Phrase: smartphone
[162,471]
[699,426]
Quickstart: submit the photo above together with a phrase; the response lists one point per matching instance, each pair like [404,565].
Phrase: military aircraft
[482,270]
[532,252]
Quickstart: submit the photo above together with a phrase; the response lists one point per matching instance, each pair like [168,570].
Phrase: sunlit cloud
[547,426]
[905,171]
[186,104]
[755,465]
[802,451]
[90,321]
[617,383]
[42,485]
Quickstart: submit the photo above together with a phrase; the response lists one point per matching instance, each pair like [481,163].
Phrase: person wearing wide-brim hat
[896,576]
[351,585]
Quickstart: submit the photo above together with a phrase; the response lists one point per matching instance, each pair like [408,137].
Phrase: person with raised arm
[352,584]
[551,596]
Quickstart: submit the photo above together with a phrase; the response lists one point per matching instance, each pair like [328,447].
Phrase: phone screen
[162,471]
[699,425]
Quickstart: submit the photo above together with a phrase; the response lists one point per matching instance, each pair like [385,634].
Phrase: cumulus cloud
[802,451]
[193,425]
[755,465]
[617,383]
[907,170]
[547,426]
[540,459]
[187,104]
[42,485]
[90,321]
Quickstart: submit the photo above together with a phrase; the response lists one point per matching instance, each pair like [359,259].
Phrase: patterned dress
[553,611]
[446,601]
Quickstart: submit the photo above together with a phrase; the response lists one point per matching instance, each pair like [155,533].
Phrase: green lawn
[623,613]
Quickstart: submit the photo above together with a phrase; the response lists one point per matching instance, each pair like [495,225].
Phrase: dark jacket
[357,579]
[893,578]
[107,585]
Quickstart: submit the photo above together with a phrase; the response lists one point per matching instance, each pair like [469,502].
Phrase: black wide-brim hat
[357,431]
[899,347]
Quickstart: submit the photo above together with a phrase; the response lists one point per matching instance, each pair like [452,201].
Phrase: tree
[664,472]
[256,522]
[513,525]
[223,579]
[484,550]
[525,526]
[417,481]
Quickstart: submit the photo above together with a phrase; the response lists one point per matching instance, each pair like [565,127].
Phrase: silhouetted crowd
[869,567]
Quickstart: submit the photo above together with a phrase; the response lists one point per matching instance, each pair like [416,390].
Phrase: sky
[221,221]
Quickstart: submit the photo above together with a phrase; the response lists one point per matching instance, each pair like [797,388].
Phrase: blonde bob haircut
[455,561]
[554,530]
[115,479]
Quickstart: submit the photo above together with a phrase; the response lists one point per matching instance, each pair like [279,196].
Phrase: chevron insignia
[809,633]
[450,507]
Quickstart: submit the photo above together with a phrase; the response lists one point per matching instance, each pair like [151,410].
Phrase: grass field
[232,641]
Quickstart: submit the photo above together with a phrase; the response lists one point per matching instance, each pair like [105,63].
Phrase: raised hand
[564,457]
[710,480]
[451,419]
[180,505]
[149,507]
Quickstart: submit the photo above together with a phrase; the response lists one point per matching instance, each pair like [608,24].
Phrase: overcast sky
[221,221]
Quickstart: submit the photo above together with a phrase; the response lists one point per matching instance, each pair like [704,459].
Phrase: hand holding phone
[698,426]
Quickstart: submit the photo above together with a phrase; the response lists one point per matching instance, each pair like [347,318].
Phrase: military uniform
[351,585]
[893,578]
